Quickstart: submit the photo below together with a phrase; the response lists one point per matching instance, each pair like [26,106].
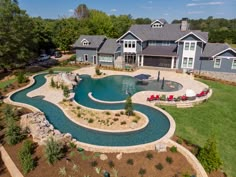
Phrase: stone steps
[184,105]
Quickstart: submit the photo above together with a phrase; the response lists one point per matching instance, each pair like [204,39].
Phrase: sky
[153,9]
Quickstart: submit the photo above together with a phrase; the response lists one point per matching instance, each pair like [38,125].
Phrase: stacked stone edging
[190,158]
[11,167]
[230,77]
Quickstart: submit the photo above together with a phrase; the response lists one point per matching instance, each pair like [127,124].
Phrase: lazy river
[157,127]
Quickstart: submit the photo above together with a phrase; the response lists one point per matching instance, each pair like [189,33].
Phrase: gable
[129,36]
[191,36]
[226,53]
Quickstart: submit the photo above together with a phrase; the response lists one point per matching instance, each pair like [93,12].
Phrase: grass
[216,117]
[233,45]
[7,82]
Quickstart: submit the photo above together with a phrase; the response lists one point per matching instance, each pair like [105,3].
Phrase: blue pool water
[117,88]
[158,123]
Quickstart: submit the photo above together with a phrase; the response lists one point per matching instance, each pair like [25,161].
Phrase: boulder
[103,157]
[119,156]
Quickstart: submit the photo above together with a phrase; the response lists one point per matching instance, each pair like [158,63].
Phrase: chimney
[184,24]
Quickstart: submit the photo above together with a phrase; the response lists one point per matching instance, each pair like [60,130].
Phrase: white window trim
[187,67]
[85,57]
[215,62]
[126,41]
[234,60]
[189,48]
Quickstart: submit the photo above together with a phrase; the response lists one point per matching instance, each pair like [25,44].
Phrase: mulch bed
[83,160]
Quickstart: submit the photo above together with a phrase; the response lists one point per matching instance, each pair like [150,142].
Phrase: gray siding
[198,54]
[190,38]
[81,52]
[129,36]
[208,65]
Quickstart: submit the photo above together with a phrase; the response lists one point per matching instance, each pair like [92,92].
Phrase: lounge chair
[203,93]
[151,98]
[170,98]
[184,98]
[157,97]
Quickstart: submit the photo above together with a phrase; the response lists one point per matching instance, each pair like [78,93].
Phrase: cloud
[113,10]
[166,14]
[195,12]
[205,3]
[71,10]
[149,2]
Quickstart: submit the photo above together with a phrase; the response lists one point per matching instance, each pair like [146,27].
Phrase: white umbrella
[190,93]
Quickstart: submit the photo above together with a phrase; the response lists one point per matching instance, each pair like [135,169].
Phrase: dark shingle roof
[94,41]
[160,50]
[213,48]
[169,32]
[109,47]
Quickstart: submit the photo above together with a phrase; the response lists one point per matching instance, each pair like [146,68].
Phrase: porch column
[142,60]
[172,62]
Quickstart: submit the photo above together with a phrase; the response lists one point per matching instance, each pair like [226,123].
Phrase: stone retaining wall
[231,77]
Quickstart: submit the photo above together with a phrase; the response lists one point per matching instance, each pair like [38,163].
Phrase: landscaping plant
[53,151]
[129,106]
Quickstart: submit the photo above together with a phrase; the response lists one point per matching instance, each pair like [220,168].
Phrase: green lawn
[215,117]
[233,45]
[7,82]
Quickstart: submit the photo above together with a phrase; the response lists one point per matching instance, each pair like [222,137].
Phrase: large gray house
[161,45]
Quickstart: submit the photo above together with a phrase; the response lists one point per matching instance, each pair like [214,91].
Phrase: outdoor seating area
[185,97]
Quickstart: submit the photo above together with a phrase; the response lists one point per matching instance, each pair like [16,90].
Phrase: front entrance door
[95,59]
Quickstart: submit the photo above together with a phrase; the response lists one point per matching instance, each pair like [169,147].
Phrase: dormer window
[157,25]
[85,42]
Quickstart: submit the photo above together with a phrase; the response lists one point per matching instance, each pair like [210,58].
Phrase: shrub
[159,166]
[53,151]
[62,171]
[25,155]
[209,157]
[108,113]
[21,78]
[117,114]
[90,120]
[142,171]
[123,123]
[78,115]
[97,70]
[72,145]
[173,149]
[13,133]
[180,141]
[163,98]
[169,160]
[122,112]
[94,163]
[115,119]
[149,156]
[111,164]
[130,161]
[129,107]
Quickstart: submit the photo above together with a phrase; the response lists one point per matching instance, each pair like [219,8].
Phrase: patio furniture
[184,98]
[170,98]
[203,93]
[157,97]
[151,98]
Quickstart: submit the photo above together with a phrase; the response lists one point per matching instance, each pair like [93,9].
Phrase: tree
[66,91]
[81,11]
[16,42]
[129,106]
[209,157]
[53,151]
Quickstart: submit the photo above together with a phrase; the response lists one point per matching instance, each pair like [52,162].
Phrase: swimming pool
[117,87]
[158,123]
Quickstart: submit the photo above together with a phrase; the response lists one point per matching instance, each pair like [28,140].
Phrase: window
[152,43]
[130,44]
[192,46]
[190,62]
[234,64]
[85,43]
[85,57]
[185,61]
[165,43]
[217,63]
[157,25]
[186,46]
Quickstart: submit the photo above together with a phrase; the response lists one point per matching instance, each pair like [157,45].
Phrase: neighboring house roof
[169,32]
[109,47]
[212,49]
[160,51]
[94,41]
